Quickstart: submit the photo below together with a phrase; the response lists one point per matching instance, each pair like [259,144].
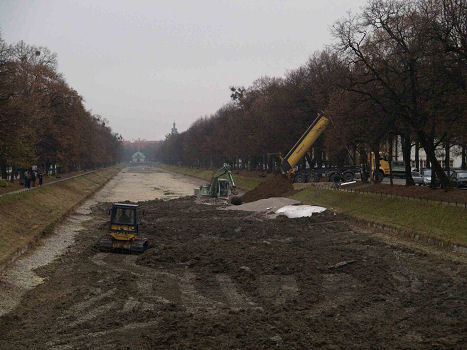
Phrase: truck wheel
[379,176]
[348,176]
[331,177]
[299,178]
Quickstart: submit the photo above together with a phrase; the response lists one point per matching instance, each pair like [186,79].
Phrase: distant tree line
[397,68]
[43,121]
[148,148]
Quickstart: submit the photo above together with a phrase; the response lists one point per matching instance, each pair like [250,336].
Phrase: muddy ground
[220,279]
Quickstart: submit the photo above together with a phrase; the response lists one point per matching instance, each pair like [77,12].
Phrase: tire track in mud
[145,299]
[191,298]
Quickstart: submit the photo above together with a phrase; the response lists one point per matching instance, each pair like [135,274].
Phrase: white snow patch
[264,205]
[299,211]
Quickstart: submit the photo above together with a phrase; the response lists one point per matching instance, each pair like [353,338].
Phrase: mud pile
[276,185]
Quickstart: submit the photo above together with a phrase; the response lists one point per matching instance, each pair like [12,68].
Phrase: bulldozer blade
[135,246]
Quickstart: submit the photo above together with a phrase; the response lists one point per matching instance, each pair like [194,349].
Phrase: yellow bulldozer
[123,231]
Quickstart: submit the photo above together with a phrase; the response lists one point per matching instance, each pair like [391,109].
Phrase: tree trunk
[464,165]
[391,177]
[396,153]
[429,147]
[447,158]
[363,164]
[14,174]
[319,157]
[417,155]
[406,148]
[3,169]
[375,167]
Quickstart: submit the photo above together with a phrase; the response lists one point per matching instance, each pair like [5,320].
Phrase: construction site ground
[224,279]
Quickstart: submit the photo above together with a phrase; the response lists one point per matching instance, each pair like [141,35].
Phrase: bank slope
[25,217]
[445,223]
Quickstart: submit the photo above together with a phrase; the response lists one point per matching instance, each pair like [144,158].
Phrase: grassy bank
[24,217]
[243,182]
[442,222]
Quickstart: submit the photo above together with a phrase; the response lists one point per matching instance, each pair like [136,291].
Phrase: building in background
[138,157]
[455,155]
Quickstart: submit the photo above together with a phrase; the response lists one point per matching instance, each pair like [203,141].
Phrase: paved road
[47,184]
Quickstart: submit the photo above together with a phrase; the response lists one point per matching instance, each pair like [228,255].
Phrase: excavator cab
[219,187]
[123,230]
[223,189]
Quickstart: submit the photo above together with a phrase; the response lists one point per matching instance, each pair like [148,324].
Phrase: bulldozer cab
[124,218]
[123,229]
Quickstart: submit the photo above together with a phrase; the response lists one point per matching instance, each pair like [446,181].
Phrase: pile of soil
[277,185]
[221,279]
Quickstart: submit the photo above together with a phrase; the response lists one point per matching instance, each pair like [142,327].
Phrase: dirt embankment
[220,279]
[276,185]
[24,217]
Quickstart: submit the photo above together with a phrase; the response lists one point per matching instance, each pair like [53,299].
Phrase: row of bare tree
[43,121]
[396,68]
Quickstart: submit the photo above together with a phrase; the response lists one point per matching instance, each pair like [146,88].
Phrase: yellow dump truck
[305,142]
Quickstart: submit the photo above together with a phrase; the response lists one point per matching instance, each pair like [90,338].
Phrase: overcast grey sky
[145,64]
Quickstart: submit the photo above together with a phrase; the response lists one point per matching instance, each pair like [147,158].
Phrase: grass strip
[444,222]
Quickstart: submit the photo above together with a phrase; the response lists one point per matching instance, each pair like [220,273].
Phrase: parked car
[459,178]
[417,178]
[426,175]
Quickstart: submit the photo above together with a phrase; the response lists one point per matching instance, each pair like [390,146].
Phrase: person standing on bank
[39,175]
[26,178]
[33,178]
